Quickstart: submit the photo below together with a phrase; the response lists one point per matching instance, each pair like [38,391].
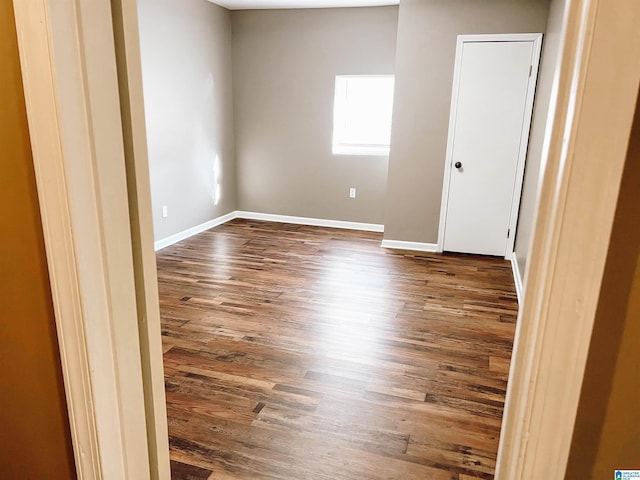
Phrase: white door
[489,128]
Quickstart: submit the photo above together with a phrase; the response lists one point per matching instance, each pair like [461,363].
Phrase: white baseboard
[517,278]
[316,222]
[190,232]
[269,217]
[402,245]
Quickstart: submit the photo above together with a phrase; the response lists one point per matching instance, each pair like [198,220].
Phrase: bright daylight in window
[362,114]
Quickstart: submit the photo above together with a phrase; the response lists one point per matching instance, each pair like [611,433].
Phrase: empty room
[340,249]
[320,239]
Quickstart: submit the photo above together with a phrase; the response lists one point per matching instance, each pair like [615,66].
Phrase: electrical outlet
[165,212]
[352,192]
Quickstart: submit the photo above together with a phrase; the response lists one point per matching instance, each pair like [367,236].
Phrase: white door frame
[593,101]
[536,38]
[89,251]
[129,66]
[101,264]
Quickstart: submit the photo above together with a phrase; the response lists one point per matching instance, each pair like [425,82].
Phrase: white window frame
[340,146]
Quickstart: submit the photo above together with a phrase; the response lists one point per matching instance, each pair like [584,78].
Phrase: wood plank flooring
[296,352]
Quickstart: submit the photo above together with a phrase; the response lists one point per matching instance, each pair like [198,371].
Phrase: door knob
[458,165]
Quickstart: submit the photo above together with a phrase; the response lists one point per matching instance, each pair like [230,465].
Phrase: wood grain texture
[296,352]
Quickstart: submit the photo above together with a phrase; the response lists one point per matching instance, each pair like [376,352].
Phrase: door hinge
[508,233]
[530,69]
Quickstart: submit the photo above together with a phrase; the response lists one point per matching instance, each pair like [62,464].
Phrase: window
[362,114]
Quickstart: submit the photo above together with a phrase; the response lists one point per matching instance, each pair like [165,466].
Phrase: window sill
[358,150]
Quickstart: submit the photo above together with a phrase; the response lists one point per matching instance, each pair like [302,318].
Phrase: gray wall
[284,68]
[427,31]
[546,78]
[186,66]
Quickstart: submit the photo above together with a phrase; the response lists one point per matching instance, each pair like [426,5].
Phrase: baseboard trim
[190,232]
[268,217]
[517,278]
[316,222]
[402,245]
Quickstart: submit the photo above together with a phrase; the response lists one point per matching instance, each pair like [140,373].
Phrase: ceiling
[268,4]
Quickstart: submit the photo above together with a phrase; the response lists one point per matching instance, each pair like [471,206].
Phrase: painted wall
[284,68]
[546,79]
[186,66]
[607,431]
[34,427]
[427,31]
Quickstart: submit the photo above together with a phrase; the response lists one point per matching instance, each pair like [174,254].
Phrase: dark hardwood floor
[296,352]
